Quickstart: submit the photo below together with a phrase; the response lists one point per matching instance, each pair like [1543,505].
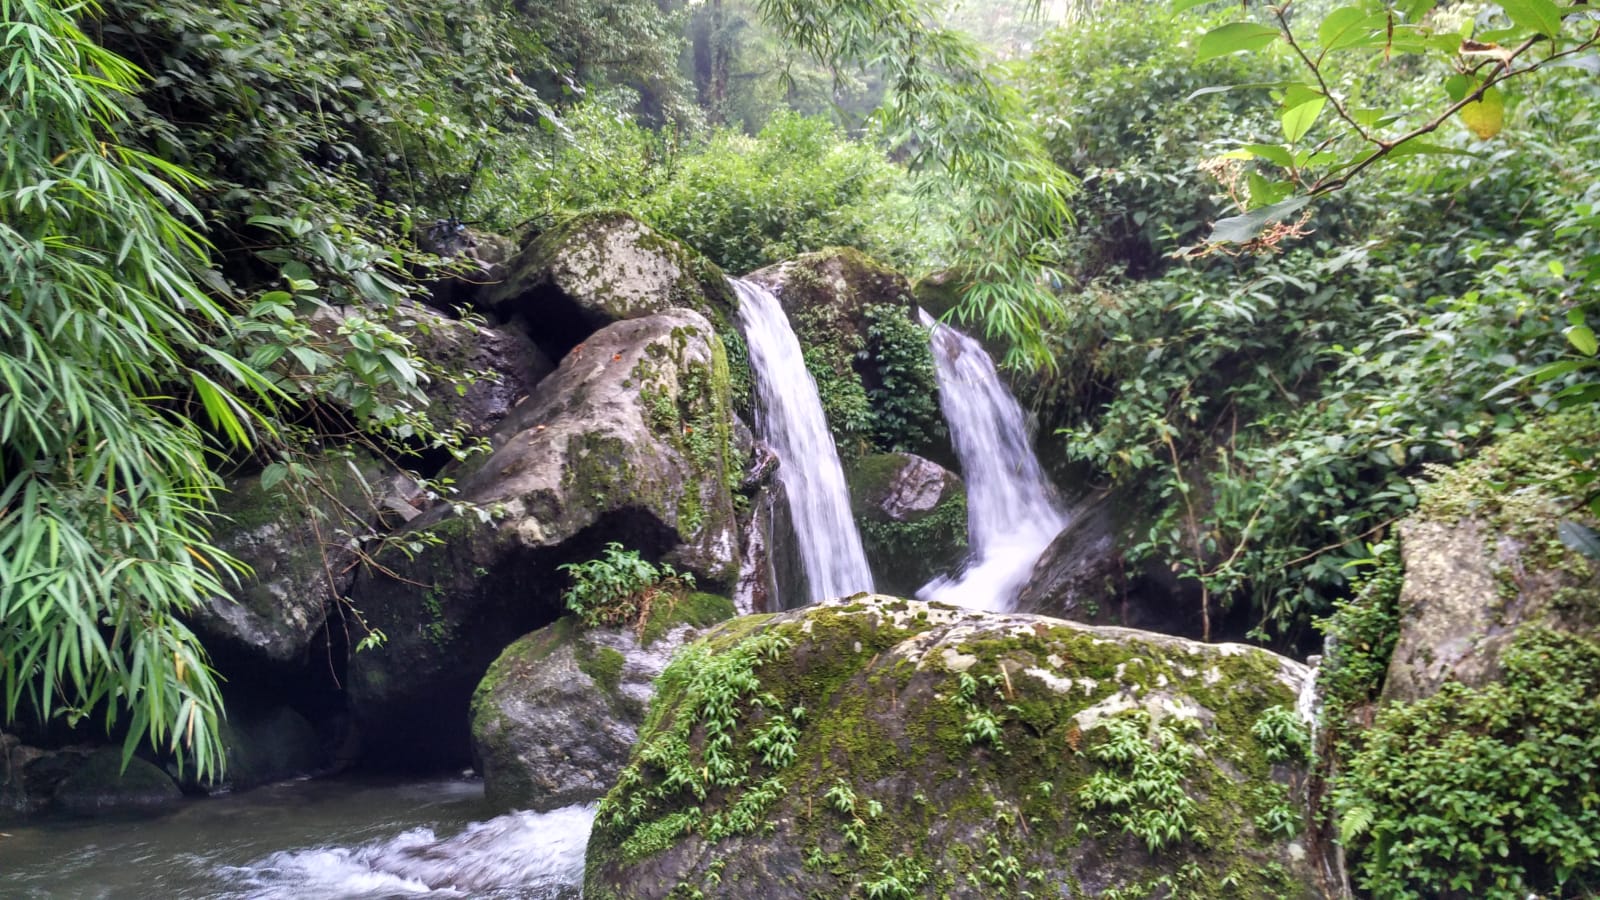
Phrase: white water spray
[1011,513]
[789,417]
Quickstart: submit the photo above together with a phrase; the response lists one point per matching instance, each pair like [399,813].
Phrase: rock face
[630,440]
[267,745]
[865,349]
[1481,562]
[913,518]
[555,716]
[477,258]
[1075,577]
[487,370]
[300,548]
[599,268]
[101,785]
[874,744]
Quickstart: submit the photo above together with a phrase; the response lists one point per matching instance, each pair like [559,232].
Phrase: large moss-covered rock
[299,539]
[101,785]
[1487,552]
[866,350]
[913,519]
[556,714]
[603,267]
[880,747]
[630,440]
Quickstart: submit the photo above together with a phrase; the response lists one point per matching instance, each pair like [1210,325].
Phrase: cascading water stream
[1011,513]
[789,417]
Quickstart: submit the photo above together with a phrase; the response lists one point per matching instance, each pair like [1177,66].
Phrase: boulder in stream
[873,745]
[913,518]
[101,785]
[630,440]
[555,716]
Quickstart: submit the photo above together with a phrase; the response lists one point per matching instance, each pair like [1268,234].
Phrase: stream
[345,838]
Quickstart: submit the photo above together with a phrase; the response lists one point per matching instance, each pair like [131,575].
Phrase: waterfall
[789,417]
[1011,512]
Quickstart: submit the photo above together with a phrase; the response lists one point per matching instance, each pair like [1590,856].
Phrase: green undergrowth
[823,741]
[1484,792]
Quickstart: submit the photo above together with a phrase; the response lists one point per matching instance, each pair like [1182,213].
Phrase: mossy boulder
[556,714]
[299,539]
[873,746]
[29,775]
[865,348]
[603,267]
[481,371]
[913,518]
[101,785]
[630,440]
[1493,547]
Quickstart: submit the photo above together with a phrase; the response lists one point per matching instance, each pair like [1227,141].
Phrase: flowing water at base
[363,840]
[1011,512]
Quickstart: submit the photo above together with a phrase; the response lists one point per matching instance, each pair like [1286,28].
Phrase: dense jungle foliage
[1254,269]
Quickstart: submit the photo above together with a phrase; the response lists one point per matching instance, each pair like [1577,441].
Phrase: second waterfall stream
[789,417]
[1012,515]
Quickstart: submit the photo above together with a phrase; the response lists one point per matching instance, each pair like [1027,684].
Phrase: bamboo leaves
[104,476]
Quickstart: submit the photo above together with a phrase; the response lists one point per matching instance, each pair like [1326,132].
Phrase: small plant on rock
[619,588]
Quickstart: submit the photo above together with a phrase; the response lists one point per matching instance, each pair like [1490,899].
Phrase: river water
[306,840]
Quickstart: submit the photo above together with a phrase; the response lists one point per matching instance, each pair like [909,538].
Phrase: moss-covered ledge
[884,747]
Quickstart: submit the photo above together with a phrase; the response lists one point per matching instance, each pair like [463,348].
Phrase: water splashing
[1011,511]
[789,417]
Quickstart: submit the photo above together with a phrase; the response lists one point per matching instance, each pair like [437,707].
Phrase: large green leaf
[1347,26]
[1233,37]
[1542,16]
[1239,229]
[1582,337]
[1580,539]
[1297,120]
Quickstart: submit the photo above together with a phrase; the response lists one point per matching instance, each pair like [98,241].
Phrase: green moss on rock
[830,750]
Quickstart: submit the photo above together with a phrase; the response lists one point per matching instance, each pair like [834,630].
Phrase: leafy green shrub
[1361,636]
[1115,98]
[1273,420]
[1141,786]
[1484,792]
[111,377]
[619,588]
[1284,738]
[798,186]
[905,404]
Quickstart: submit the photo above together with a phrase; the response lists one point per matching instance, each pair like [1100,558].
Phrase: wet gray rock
[101,785]
[913,518]
[603,267]
[482,371]
[474,260]
[556,714]
[300,541]
[630,440]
